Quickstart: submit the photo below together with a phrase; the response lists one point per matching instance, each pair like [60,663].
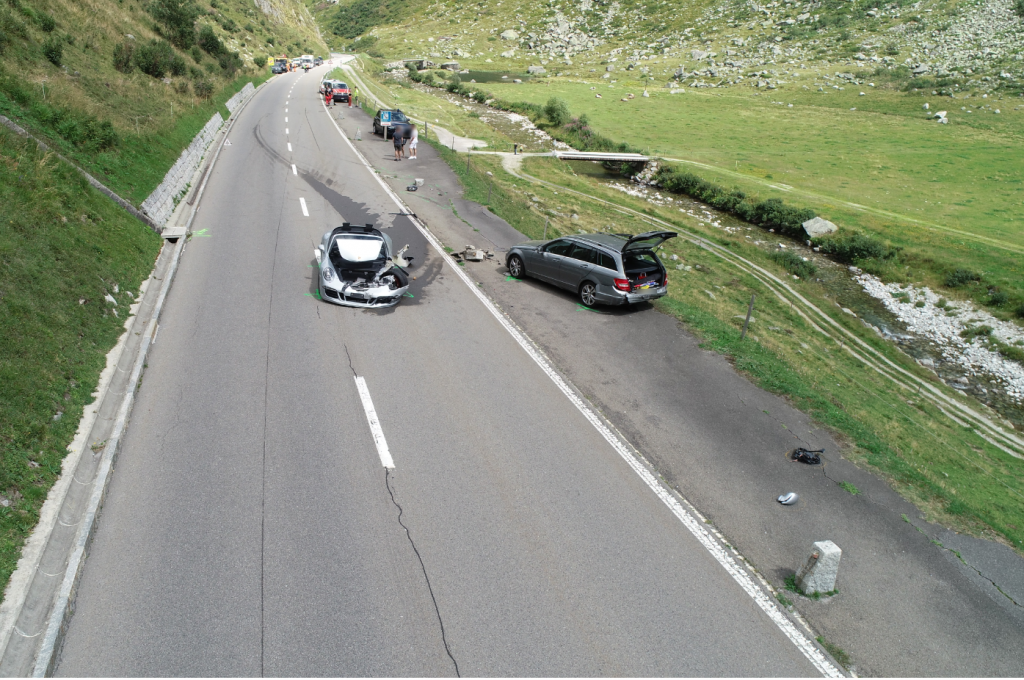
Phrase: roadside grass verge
[953,475]
[136,163]
[60,242]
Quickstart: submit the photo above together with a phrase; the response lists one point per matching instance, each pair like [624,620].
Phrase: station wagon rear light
[622,284]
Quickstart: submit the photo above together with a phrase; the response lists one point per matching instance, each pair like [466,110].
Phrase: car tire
[516,269]
[588,294]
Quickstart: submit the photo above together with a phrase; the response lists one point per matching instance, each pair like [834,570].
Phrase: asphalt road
[251,529]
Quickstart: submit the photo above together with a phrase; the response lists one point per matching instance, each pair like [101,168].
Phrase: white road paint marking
[286,130]
[689,519]
[371,418]
[294,171]
[286,110]
[305,211]
[286,119]
[289,146]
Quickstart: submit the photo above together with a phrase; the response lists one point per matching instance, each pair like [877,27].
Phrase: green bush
[259,60]
[998,298]
[850,248]
[230,62]
[46,22]
[154,58]
[123,53]
[196,54]
[177,19]
[557,111]
[1019,312]
[794,264]
[178,67]
[202,88]
[53,49]
[959,278]
[209,41]
[1018,7]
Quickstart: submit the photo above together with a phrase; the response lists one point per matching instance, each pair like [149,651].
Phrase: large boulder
[451,66]
[536,70]
[510,35]
[816,227]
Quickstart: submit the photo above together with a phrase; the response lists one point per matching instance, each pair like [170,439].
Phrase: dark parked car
[278,68]
[611,269]
[386,118]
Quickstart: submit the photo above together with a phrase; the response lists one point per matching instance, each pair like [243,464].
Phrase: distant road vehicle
[357,268]
[386,118]
[610,269]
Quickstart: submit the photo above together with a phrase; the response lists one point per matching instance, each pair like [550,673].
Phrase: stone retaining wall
[159,205]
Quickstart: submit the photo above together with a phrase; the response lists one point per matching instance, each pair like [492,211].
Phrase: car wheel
[515,267]
[588,294]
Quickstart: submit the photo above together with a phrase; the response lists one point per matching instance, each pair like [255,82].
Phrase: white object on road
[294,171]
[305,210]
[818,575]
[788,498]
[375,429]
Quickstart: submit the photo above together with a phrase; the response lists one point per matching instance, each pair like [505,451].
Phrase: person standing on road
[328,96]
[399,140]
[414,140]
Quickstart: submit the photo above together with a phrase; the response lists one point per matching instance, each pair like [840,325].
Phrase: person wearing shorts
[414,139]
[399,140]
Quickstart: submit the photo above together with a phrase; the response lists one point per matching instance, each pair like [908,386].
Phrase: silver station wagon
[611,269]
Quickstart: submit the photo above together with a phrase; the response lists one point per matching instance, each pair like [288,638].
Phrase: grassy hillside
[120,87]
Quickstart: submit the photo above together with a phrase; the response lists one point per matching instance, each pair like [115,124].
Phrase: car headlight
[328,274]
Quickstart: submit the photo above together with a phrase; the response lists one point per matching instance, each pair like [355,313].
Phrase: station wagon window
[607,261]
[559,247]
[584,254]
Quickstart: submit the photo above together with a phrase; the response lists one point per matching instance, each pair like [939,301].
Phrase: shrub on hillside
[794,264]
[557,111]
[203,89]
[209,41]
[850,248]
[154,58]
[46,22]
[123,53]
[259,60]
[80,129]
[178,67]
[997,297]
[53,49]
[960,277]
[1018,7]
[230,62]
[177,19]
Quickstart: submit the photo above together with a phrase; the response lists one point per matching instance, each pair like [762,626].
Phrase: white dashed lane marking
[305,210]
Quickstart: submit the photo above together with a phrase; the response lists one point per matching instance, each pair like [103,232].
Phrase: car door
[549,259]
[576,266]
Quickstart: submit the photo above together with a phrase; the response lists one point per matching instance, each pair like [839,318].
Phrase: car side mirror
[318,254]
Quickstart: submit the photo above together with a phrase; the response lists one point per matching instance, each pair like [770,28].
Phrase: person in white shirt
[413,141]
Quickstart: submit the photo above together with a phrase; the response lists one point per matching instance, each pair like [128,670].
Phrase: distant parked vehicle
[387,118]
[610,269]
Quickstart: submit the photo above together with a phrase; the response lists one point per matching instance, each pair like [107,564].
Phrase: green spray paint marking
[201,232]
[511,278]
[409,295]
[314,295]
[588,309]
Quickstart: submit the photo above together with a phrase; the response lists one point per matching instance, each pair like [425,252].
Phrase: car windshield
[359,248]
[398,117]
[340,85]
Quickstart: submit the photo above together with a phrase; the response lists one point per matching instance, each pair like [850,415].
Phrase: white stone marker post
[819,574]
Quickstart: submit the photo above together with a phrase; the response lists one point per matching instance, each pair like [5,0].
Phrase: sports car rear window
[356,248]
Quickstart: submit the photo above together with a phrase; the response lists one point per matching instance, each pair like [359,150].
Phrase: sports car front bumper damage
[383,289]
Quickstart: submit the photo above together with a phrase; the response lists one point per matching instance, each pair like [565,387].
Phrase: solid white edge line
[696,528]
[375,429]
[305,211]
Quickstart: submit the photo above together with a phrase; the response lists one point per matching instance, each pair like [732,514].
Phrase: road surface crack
[387,483]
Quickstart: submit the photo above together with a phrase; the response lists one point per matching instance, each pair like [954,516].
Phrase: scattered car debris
[788,498]
[802,455]
[473,254]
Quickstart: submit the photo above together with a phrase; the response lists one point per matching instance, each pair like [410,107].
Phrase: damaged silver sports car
[358,267]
